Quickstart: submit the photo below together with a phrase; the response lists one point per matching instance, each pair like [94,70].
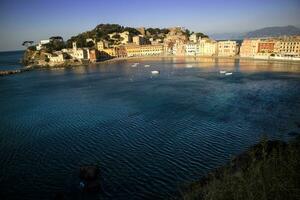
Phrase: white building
[57,57]
[39,46]
[78,53]
[192,49]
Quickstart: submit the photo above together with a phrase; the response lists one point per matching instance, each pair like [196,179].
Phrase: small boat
[154,72]
[134,65]
[147,65]
[189,66]
[222,72]
[228,74]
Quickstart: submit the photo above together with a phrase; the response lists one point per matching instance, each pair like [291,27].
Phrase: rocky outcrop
[89,178]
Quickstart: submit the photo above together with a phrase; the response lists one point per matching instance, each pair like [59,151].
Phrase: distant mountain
[227,36]
[273,32]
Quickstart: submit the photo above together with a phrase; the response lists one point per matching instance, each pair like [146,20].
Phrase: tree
[56,38]
[90,44]
[188,32]
[117,37]
[32,48]
[132,31]
[27,43]
[202,35]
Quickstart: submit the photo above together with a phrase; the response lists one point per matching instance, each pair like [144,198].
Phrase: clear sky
[39,19]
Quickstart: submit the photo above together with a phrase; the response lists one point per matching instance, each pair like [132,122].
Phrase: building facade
[227,48]
[194,38]
[249,48]
[144,50]
[192,49]
[288,46]
[207,47]
[139,40]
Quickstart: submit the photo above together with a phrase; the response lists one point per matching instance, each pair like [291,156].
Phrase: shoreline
[112,60]
[194,57]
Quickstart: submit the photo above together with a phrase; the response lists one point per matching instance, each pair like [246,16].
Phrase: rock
[89,178]
[88,173]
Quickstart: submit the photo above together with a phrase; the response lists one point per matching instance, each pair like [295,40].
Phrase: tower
[74,46]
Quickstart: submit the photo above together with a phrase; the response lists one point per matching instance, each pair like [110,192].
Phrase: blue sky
[38,19]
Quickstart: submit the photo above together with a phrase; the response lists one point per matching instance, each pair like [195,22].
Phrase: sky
[22,20]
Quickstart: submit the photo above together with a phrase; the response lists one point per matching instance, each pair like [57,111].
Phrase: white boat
[222,72]
[228,74]
[154,72]
[147,65]
[134,65]
[189,66]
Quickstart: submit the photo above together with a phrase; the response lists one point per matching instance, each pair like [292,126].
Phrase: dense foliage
[100,33]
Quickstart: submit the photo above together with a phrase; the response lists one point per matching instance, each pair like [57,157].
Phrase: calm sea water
[150,134]
[10,60]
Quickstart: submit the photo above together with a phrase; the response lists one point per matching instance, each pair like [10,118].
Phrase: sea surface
[150,134]
[11,60]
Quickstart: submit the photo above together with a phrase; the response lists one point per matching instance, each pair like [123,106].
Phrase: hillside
[273,32]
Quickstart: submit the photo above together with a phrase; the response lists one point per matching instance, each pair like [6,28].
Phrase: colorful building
[207,47]
[192,49]
[227,48]
[134,50]
[139,40]
[288,46]
[249,48]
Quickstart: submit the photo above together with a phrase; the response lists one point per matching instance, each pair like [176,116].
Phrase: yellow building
[108,52]
[101,45]
[144,50]
[207,47]
[288,46]
[227,48]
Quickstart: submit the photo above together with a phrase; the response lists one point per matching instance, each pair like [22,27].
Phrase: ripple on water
[148,135]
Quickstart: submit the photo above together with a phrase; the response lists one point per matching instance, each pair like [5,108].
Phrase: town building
[288,46]
[94,55]
[249,48]
[102,45]
[56,57]
[126,37]
[179,48]
[176,34]
[266,46]
[227,48]
[194,38]
[192,49]
[207,47]
[134,50]
[121,51]
[78,53]
[41,44]
[139,40]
